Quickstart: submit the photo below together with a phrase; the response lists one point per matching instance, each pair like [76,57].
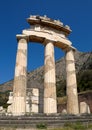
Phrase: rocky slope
[83,62]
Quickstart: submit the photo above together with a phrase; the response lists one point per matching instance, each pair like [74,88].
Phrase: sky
[13,14]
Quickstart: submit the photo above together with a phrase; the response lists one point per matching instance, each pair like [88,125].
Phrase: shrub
[41,126]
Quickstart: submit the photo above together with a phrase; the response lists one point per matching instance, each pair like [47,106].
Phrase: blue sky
[13,13]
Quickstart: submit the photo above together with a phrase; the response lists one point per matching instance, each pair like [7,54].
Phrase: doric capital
[22,36]
[46,41]
[68,48]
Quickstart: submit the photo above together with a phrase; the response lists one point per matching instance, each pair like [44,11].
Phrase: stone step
[33,122]
[45,117]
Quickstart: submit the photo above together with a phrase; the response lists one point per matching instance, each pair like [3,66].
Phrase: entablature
[48,22]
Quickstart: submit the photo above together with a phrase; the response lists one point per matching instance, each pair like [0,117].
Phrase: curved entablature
[48,22]
[32,36]
[40,36]
[43,28]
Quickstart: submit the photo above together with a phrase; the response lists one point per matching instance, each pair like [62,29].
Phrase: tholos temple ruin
[49,33]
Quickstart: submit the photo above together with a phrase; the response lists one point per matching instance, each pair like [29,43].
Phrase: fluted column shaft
[20,79]
[71,84]
[50,103]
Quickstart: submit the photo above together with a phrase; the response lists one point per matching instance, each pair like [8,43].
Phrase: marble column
[20,79]
[71,84]
[50,103]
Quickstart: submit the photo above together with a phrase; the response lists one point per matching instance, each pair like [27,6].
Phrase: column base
[50,106]
[18,106]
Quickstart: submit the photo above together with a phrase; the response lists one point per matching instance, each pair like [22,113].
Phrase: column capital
[22,36]
[46,41]
[68,48]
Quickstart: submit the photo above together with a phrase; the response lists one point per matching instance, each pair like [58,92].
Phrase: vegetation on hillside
[83,62]
[61,88]
[4,98]
[84,77]
[85,80]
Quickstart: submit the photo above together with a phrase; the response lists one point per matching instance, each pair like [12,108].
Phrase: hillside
[83,62]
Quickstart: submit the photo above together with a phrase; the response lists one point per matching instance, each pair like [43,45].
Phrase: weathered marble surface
[50,33]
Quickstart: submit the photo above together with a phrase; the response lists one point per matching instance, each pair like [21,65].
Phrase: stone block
[28,108]
[35,92]
[1,108]
[64,111]
[84,108]
[34,108]
[35,100]
[10,101]
[9,109]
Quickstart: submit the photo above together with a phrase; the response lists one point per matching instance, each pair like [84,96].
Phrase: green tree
[85,80]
